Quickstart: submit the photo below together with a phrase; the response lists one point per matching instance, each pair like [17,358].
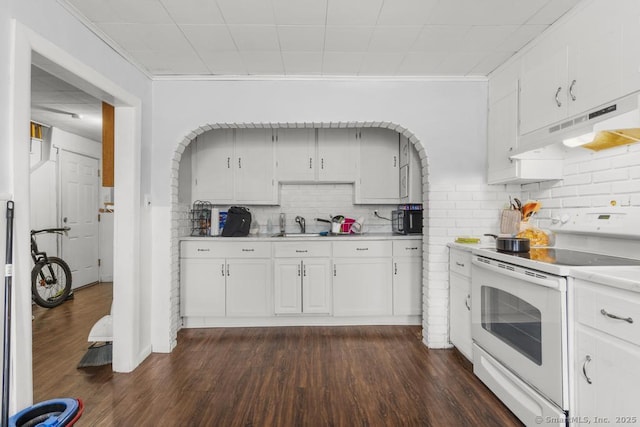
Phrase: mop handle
[6,354]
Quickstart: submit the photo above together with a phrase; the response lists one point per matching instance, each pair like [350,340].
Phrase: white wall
[61,36]
[447,117]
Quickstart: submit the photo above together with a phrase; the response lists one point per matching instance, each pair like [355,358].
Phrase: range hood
[610,125]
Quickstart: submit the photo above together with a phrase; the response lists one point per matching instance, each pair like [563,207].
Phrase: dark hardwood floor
[293,376]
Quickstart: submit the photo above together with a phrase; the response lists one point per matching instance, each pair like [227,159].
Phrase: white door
[255,167]
[79,182]
[295,151]
[407,286]
[202,287]
[316,286]
[337,155]
[362,287]
[249,288]
[288,285]
[379,166]
[213,167]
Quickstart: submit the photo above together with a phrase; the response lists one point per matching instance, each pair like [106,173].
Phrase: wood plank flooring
[293,376]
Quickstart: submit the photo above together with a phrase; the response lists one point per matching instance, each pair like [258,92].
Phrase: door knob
[64,219]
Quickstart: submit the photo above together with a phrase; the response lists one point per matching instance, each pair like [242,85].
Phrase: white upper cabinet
[379,180]
[235,167]
[579,65]
[296,155]
[255,167]
[212,159]
[337,155]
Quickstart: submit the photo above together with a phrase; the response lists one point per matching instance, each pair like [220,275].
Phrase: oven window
[514,321]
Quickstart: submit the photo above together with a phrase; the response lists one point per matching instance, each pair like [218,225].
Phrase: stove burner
[571,258]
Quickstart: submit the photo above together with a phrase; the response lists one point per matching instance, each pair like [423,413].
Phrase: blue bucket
[50,413]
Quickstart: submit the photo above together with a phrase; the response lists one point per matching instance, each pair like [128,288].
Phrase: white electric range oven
[521,308]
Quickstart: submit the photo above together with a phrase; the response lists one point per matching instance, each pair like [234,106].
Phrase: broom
[6,354]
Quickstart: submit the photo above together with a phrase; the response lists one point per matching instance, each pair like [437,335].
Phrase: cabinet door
[337,155]
[502,137]
[407,286]
[595,57]
[202,287]
[213,166]
[316,286]
[543,91]
[460,313]
[255,167]
[295,154]
[362,287]
[611,366]
[379,180]
[249,287]
[288,286]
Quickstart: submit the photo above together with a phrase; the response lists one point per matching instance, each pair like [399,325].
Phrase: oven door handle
[543,281]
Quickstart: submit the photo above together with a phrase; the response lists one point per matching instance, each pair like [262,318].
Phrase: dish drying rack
[200,216]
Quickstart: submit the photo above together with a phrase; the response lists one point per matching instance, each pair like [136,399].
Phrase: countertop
[330,237]
[621,277]
[468,247]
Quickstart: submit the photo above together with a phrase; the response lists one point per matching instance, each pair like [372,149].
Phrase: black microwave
[406,222]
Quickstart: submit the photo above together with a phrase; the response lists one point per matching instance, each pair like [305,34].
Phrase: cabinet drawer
[218,249]
[362,248]
[592,299]
[460,262]
[301,249]
[407,248]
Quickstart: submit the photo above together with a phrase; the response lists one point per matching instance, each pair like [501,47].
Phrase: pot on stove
[511,244]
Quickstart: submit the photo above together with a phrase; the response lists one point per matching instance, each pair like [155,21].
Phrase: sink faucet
[283,222]
[300,221]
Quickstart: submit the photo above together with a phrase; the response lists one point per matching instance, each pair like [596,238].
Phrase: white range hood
[612,124]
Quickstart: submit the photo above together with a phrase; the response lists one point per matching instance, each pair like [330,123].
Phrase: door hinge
[98,217]
[99,262]
[98,173]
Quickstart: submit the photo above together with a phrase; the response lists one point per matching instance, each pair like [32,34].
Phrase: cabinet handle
[587,359]
[222,270]
[310,162]
[239,162]
[248,250]
[228,162]
[298,270]
[459,264]
[613,316]
[558,103]
[395,268]
[395,161]
[228,272]
[322,163]
[334,270]
[467,302]
[362,249]
[304,270]
[301,251]
[573,97]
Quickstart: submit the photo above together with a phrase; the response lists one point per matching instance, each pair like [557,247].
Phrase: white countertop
[330,237]
[622,277]
[468,247]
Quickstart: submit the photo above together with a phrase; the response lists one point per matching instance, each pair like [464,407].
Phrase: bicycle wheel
[50,282]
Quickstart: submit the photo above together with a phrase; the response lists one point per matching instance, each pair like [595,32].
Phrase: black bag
[238,222]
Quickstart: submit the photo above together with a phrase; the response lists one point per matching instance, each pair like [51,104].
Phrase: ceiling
[54,101]
[318,38]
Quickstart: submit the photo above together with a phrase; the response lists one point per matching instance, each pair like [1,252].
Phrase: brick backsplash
[590,179]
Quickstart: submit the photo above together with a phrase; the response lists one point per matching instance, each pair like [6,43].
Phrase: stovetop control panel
[623,222]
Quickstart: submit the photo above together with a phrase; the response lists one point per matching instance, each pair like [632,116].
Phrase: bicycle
[51,276]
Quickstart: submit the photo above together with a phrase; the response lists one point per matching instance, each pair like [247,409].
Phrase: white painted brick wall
[590,179]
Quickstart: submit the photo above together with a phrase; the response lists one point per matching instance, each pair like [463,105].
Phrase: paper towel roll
[215,221]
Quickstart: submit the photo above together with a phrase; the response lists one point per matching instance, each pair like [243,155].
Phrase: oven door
[518,317]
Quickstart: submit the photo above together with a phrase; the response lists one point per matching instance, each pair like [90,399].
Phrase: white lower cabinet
[202,287]
[407,277]
[249,287]
[460,301]
[362,278]
[606,356]
[302,286]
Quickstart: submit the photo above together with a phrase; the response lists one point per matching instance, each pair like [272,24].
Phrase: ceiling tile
[301,38]
[353,12]
[300,12]
[257,12]
[302,63]
[485,12]
[440,38]
[139,12]
[263,62]
[96,11]
[209,38]
[154,37]
[341,63]
[255,37]
[224,63]
[520,37]
[170,63]
[490,62]
[486,38]
[347,39]
[380,64]
[193,11]
[551,11]
[406,12]
[420,63]
[393,39]
[460,63]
